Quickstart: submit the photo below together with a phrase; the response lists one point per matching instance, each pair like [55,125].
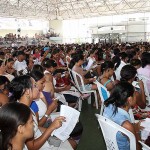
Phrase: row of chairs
[105,123]
[79,84]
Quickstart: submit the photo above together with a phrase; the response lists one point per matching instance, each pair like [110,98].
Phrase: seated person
[75,65]
[128,73]
[122,98]
[16,126]
[4,83]
[107,71]
[24,90]
[50,66]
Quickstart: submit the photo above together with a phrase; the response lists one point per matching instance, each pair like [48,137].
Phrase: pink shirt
[145,72]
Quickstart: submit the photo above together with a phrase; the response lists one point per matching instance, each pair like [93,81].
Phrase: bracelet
[46,115]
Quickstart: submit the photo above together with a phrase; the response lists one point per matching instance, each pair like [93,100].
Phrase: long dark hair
[47,63]
[119,95]
[127,72]
[36,75]
[106,65]
[11,116]
[75,59]
[38,67]
[117,59]
[18,86]
[145,59]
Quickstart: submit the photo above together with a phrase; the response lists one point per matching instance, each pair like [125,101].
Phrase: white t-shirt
[20,66]
[118,70]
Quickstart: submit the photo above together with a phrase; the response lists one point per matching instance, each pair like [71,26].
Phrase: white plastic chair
[144,146]
[81,87]
[145,79]
[110,129]
[100,87]
[76,89]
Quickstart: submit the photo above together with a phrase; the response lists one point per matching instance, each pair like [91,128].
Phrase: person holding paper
[24,90]
[92,62]
[75,65]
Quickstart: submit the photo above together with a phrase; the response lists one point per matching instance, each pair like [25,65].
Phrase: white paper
[72,116]
[89,65]
[136,84]
[146,131]
[54,115]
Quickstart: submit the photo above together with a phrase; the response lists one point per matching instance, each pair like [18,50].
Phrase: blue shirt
[120,117]
[34,107]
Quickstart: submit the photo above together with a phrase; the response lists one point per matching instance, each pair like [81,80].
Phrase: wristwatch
[46,115]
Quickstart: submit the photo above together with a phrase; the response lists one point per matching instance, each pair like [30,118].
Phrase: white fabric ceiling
[70,9]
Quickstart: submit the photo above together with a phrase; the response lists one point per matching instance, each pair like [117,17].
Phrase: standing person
[16,126]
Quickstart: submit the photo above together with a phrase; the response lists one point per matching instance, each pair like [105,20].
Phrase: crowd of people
[32,77]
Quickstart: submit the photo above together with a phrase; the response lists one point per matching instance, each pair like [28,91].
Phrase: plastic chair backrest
[110,135]
[78,81]
[145,79]
[71,75]
[104,94]
[144,146]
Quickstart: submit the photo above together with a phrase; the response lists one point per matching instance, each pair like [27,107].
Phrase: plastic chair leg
[80,104]
[96,101]
[89,99]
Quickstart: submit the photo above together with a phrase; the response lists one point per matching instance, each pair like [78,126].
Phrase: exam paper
[54,115]
[89,65]
[146,131]
[72,117]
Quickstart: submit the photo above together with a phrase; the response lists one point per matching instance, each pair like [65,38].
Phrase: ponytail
[72,63]
[119,95]
[116,60]
[75,59]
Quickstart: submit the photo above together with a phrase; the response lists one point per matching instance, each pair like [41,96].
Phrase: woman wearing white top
[41,101]
[69,51]
[119,61]
[92,62]
[25,89]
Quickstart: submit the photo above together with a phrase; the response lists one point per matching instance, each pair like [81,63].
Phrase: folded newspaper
[72,117]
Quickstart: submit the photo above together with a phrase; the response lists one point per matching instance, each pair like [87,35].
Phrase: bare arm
[140,96]
[35,144]
[132,128]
